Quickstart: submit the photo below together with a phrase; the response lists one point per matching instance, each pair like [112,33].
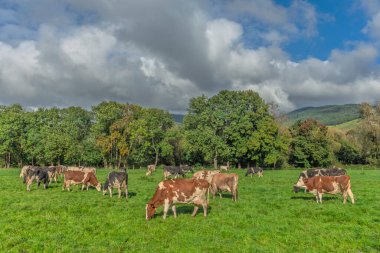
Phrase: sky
[162,53]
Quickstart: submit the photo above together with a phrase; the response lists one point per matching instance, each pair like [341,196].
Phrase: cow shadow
[185,210]
[313,198]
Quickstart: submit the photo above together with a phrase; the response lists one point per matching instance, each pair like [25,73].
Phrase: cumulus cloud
[162,53]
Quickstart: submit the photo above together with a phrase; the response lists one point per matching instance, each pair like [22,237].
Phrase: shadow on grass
[313,198]
[188,210]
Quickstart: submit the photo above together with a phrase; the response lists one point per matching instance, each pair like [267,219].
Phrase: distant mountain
[328,114]
[178,118]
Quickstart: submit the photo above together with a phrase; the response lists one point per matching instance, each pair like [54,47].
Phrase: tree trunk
[239,165]
[216,160]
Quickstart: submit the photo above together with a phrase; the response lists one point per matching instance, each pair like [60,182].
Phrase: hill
[178,118]
[328,114]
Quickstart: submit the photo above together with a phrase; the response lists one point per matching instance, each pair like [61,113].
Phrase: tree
[232,126]
[310,146]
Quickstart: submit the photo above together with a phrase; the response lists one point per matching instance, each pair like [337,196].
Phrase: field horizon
[267,217]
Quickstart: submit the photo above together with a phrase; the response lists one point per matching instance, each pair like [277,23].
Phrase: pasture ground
[268,217]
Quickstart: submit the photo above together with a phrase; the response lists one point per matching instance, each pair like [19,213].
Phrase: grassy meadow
[268,217]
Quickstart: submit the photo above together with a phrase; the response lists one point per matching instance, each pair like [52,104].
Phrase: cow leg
[83,185]
[166,208]
[205,206]
[119,190]
[126,192]
[195,211]
[174,211]
[351,196]
[110,191]
[220,195]
[320,197]
[88,185]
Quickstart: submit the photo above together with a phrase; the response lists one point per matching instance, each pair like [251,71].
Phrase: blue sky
[295,53]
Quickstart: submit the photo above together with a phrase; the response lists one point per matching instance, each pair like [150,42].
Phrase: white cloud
[160,54]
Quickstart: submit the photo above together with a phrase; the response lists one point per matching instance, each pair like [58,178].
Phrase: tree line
[232,127]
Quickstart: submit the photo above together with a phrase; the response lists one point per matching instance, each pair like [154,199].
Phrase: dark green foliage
[310,146]
[328,115]
[232,126]
[348,154]
[267,217]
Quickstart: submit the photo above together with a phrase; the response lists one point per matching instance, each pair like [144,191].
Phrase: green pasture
[268,217]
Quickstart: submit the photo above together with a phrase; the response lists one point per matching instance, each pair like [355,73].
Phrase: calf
[150,169]
[225,182]
[80,177]
[329,184]
[173,171]
[38,174]
[257,170]
[316,172]
[205,174]
[170,192]
[117,180]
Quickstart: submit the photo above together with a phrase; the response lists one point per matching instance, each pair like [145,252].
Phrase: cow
[38,174]
[225,182]
[257,170]
[80,177]
[329,184]
[24,171]
[186,191]
[117,180]
[205,174]
[83,169]
[173,171]
[150,169]
[317,172]
[224,167]
[52,172]
[187,168]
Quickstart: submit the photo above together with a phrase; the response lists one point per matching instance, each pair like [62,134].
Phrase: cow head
[98,187]
[300,183]
[150,210]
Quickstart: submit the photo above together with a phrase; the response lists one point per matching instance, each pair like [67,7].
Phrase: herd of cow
[187,191]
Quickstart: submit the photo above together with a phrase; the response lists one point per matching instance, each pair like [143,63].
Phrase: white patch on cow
[161,186]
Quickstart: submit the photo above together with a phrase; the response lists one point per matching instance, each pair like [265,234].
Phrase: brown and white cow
[205,174]
[170,192]
[150,169]
[330,184]
[225,182]
[316,172]
[80,177]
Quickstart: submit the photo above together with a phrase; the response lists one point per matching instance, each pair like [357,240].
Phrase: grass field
[268,217]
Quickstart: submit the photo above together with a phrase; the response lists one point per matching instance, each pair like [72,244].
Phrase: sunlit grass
[268,217]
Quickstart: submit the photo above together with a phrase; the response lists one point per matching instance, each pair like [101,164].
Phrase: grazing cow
[257,170]
[205,174]
[52,172]
[80,177]
[170,192]
[83,169]
[225,182]
[317,172]
[187,168]
[117,180]
[329,184]
[224,167]
[38,174]
[173,171]
[24,171]
[150,169]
